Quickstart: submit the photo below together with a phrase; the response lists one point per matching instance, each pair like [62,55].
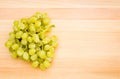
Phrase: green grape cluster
[29,40]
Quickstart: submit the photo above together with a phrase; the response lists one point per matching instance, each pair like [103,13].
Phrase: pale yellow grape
[46,64]
[20,52]
[14,54]
[42,67]
[35,63]
[25,56]
[31,51]
[32,45]
[19,34]
[42,54]
[15,46]
[29,39]
[47,47]
[34,57]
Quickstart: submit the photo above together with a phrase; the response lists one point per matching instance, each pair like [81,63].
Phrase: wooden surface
[89,39]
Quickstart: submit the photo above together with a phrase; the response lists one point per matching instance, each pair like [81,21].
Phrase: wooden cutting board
[88,34]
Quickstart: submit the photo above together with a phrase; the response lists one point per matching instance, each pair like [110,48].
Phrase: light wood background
[89,39]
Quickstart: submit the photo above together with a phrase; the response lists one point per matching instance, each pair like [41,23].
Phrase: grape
[34,57]
[49,59]
[20,52]
[42,35]
[50,54]
[12,35]
[53,38]
[37,23]
[25,56]
[35,63]
[46,64]
[42,67]
[47,47]
[30,41]
[24,42]
[32,28]
[36,38]
[31,51]
[25,35]
[42,54]
[31,45]
[21,26]
[46,40]
[54,44]
[15,46]
[24,20]
[46,21]
[8,44]
[14,55]
[19,34]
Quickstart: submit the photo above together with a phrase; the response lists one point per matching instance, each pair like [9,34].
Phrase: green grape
[53,38]
[42,54]
[54,44]
[52,49]
[15,28]
[32,51]
[35,63]
[46,40]
[36,38]
[50,54]
[37,23]
[29,39]
[25,56]
[30,20]
[14,55]
[24,42]
[20,52]
[38,15]
[19,34]
[15,46]
[49,59]
[46,64]
[40,60]
[47,47]
[31,45]
[25,35]
[21,26]
[24,20]
[39,43]
[16,23]
[12,35]
[38,49]
[38,29]
[42,35]
[32,28]
[33,19]
[42,67]
[34,57]
[46,21]
[8,44]
[44,15]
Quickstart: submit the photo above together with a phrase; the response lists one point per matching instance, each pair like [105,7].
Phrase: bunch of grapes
[29,40]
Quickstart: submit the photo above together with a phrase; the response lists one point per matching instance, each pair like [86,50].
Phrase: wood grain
[64,13]
[88,34]
[58,3]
